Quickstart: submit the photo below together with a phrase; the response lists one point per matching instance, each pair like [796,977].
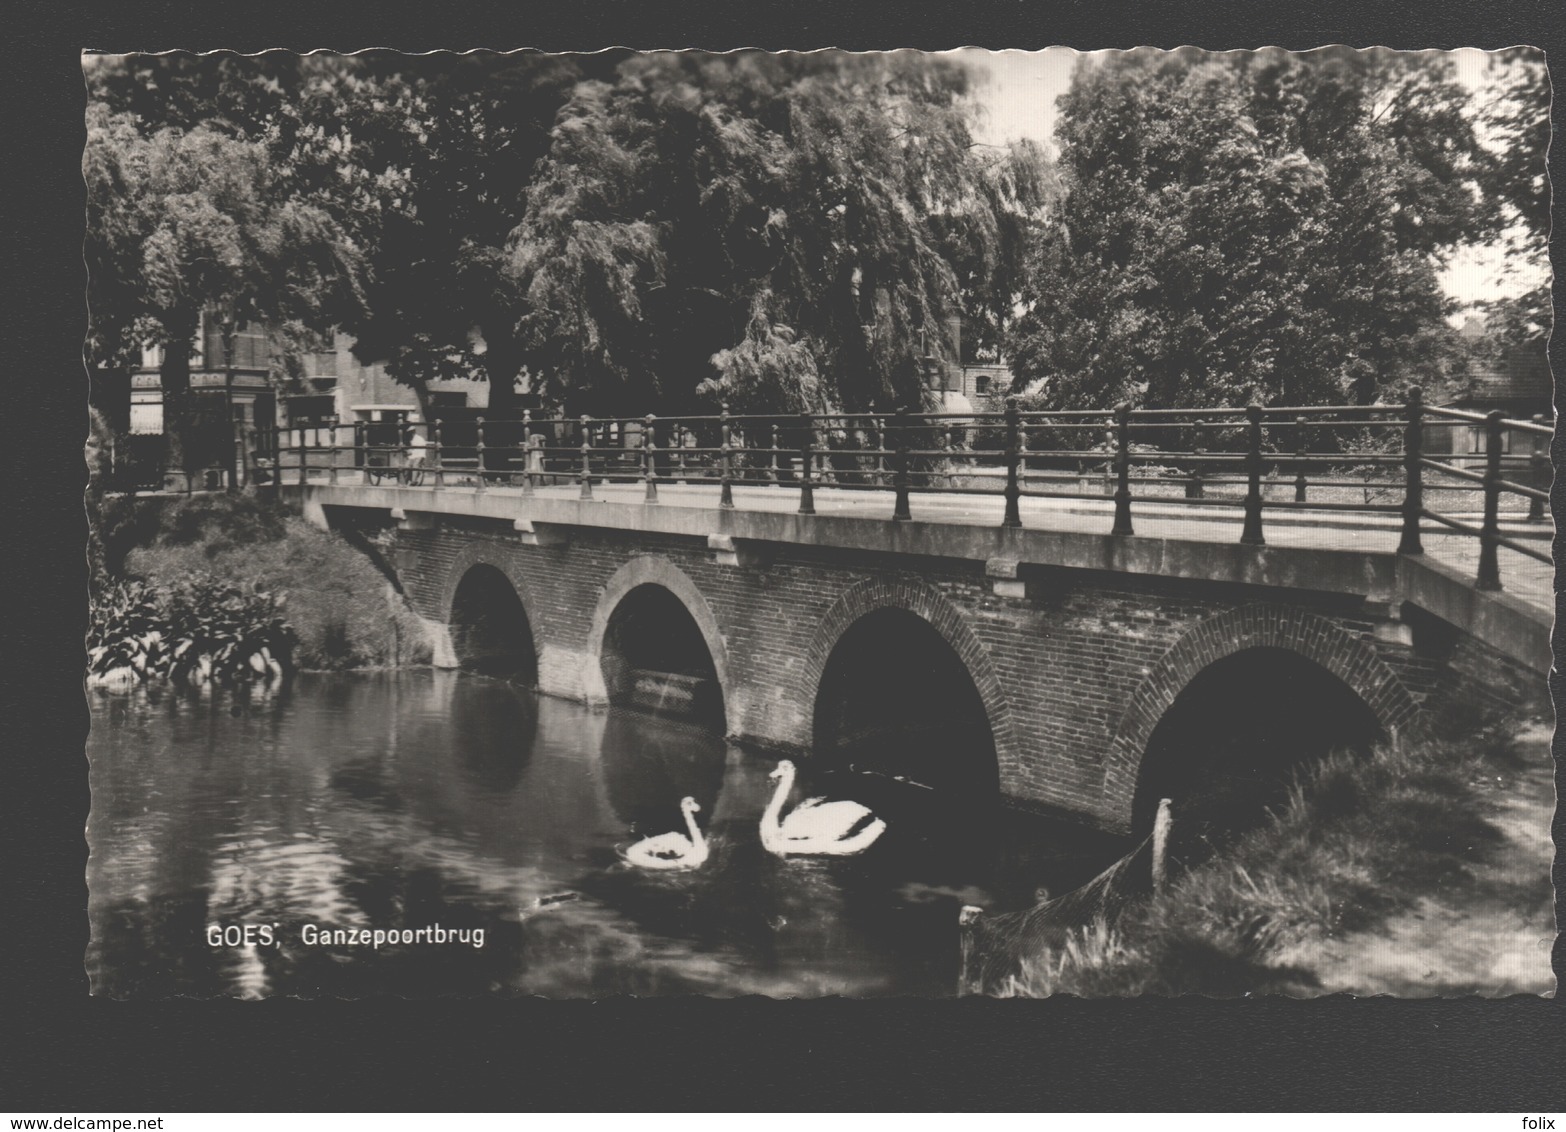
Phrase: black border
[64,1051]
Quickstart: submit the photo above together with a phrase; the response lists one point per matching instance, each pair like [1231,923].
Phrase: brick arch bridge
[1352,659]
[911,594]
[654,570]
[1076,642]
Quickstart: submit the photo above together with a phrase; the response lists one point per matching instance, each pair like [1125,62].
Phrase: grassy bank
[1360,842]
[343,611]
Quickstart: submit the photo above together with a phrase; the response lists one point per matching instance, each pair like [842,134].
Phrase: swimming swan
[816,827]
[671,850]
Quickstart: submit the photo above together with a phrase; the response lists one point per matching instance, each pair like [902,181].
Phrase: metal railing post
[1539,469]
[440,474]
[361,459]
[1490,534]
[1252,534]
[586,474]
[1300,452]
[478,447]
[1123,470]
[331,455]
[649,458]
[725,475]
[532,474]
[772,456]
[303,461]
[807,493]
[1013,515]
[878,431]
[1413,473]
[526,446]
[1196,489]
[900,509]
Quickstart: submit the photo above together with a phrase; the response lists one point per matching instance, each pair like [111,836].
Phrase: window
[1478,444]
[146,419]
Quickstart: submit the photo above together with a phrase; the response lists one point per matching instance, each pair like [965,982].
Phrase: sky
[1017,92]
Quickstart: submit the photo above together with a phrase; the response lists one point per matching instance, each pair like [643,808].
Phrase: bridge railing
[1433,470]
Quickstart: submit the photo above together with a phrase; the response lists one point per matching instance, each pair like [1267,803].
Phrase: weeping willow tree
[183,222]
[783,232]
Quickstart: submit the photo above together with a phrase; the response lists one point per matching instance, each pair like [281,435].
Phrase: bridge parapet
[1377,467]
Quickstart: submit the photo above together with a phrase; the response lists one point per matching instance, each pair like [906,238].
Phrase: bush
[197,630]
[127,630]
[344,612]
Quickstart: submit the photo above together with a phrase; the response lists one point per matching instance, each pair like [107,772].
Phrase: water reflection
[404,801]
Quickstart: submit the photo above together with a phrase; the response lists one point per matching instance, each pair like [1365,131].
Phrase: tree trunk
[502,363]
[174,377]
[421,394]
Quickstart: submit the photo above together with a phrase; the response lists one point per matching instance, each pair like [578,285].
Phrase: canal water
[230,830]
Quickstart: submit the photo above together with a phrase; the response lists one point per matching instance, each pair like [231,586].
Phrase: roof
[1515,379]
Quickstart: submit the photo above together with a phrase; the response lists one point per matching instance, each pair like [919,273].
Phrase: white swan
[816,827]
[671,850]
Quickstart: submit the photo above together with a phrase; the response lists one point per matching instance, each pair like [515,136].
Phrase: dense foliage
[657,232]
[196,630]
[629,232]
[192,218]
[785,232]
[342,610]
[1252,226]
[1515,125]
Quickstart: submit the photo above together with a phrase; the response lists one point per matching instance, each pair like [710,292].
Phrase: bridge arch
[640,579]
[1256,630]
[914,597]
[489,610]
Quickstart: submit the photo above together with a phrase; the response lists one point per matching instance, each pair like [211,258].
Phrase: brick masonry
[1074,673]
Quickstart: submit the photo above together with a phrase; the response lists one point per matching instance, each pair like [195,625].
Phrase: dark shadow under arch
[915,597]
[1236,736]
[899,724]
[1309,635]
[490,631]
[654,657]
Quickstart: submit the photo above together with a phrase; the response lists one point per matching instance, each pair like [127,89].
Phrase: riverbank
[1491,930]
[342,611]
[1421,870]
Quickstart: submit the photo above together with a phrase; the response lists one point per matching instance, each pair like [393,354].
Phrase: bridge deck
[1526,580]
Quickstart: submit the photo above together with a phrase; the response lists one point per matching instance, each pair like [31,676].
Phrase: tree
[420,162]
[778,231]
[182,222]
[1515,124]
[427,162]
[1263,226]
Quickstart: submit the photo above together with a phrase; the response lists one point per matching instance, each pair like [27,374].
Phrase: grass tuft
[1356,839]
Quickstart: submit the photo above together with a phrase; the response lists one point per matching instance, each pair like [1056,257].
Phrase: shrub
[126,632]
[344,612]
[226,633]
[198,630]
